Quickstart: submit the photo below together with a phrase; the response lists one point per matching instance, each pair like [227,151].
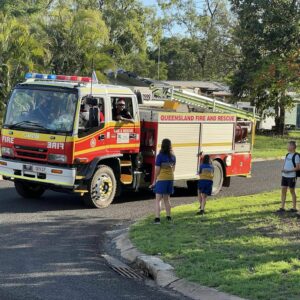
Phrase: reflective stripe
[35,136]
[118,146]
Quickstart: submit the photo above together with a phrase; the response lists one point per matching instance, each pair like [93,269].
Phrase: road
[51,248]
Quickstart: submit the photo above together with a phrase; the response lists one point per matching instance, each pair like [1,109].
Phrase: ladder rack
[194,100]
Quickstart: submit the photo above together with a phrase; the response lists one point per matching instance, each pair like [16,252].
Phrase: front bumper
[37,172]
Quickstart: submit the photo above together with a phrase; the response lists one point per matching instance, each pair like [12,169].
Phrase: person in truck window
[120,113]
[84,115]
[164,179]
[41,109]
[101,114]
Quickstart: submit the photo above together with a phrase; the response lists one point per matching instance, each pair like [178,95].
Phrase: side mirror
[90,100]
[94,120]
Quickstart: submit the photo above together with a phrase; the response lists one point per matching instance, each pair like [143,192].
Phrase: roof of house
[209,85]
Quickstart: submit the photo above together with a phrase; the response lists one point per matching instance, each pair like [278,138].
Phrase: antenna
[92,77]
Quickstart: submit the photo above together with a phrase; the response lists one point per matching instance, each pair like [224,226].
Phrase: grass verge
[268,146]
[240,246]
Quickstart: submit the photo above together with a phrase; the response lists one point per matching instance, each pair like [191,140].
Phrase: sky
[149,2]
[175,30]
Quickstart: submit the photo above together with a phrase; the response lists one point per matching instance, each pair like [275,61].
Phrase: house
[211,89]
[291,119]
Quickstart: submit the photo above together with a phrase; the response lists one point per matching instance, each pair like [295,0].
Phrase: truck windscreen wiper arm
[18,124]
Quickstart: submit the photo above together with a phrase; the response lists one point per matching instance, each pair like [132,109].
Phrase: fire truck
[53,137]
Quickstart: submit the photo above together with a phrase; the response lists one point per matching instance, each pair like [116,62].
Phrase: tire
[218,177]
[29,190]
[103,181]
[192,186]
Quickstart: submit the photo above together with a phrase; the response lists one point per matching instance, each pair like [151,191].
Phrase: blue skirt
[164,187]
[205,186]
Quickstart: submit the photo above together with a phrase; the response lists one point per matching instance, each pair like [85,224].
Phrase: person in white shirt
[289,176]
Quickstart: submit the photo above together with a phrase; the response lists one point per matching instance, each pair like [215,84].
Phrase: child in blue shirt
[164,179]
[206,175]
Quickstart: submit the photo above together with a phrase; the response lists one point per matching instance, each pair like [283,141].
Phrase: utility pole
[158,61]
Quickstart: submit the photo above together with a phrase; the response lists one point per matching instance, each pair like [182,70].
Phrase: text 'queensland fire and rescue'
[197,118]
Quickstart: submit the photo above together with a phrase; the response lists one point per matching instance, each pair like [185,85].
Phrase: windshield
[44,110]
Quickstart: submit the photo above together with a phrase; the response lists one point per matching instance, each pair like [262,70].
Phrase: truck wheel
[29,190]
[192,186]
[218,177]
[102,188]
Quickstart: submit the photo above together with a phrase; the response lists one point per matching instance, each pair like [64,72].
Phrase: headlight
[57,158]
[7,151]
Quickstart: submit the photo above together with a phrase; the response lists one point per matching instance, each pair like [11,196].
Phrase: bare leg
[283,196]
[204,196]
[167,205]
[294,198]
[200,198]
[158,205]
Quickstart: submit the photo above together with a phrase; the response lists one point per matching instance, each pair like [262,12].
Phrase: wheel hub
[103,188]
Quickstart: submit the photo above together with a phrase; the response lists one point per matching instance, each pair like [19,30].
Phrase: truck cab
[64,133]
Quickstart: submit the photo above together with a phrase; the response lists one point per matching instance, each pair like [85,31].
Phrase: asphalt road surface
[51,248]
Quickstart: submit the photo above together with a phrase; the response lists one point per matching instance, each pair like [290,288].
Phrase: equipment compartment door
[217,138]
[185,141]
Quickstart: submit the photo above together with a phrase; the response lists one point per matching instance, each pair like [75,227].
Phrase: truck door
[91,131]
[125,127]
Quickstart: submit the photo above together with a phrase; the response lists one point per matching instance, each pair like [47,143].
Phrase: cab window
[122,109]
[91,116]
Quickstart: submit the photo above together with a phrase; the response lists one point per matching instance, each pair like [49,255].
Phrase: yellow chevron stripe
[109,125]
[179,145]
[35,136]
[115,146]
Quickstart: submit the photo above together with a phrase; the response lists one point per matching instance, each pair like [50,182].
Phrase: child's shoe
[156,221]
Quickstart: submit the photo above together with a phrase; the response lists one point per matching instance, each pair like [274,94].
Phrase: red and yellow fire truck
[60,132]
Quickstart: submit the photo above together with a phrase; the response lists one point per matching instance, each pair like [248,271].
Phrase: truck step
[126,163]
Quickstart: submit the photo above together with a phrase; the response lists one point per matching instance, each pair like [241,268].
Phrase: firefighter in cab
[120,113]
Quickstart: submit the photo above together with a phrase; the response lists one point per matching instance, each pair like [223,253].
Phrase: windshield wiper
[31,123]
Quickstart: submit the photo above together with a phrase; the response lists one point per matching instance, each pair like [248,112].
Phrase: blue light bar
[40,76]
[28,76]
[51,76]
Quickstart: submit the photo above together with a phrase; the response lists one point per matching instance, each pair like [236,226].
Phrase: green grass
[294,134]
[268,146]
[240,246]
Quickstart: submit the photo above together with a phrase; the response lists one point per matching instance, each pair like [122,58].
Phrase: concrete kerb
[164,274]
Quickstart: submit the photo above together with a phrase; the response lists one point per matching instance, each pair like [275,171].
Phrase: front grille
[40,150]
[33,155]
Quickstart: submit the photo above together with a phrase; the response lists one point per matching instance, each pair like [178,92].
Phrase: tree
[20,51]
[207,50]
[18,8]
[132,27]
[77,40]
[268,34]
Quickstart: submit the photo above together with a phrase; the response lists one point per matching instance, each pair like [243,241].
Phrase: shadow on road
[11,202]
[40,261]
